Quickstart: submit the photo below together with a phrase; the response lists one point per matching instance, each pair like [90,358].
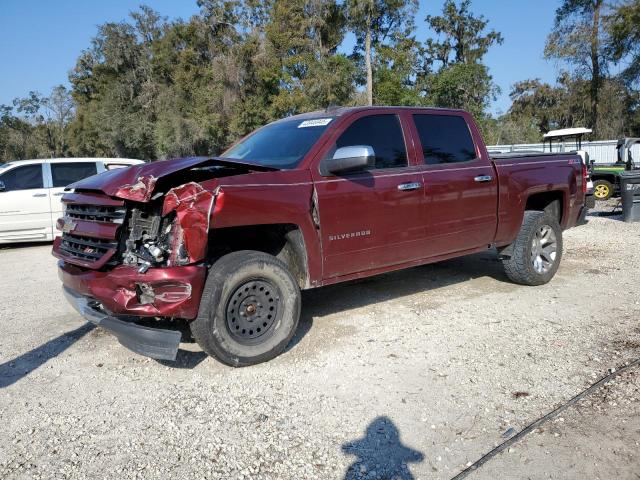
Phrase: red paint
[140,191]
[192,204]
[367,226]
[112,182]
[92,199]
[91,229]
[116,288]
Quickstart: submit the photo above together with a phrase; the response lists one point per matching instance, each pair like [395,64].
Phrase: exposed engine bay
[149,240]
[168,233]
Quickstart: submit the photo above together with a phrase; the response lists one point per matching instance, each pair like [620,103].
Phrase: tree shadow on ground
[332,299]
[381,454]
[354,294]
[19,367]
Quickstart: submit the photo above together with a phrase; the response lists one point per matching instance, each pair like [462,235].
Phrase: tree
[509,129]
[539,103]
[302,39]
[17,139]
[579,38]
[36,126]
[462,85]
[461,34]
[460,80]
[624,41]
[567,104]
[373,23]
[115,92]
[59,111]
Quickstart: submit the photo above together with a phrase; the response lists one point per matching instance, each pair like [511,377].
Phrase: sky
[41,39]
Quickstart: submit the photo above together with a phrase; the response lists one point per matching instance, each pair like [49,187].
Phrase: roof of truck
[340,111]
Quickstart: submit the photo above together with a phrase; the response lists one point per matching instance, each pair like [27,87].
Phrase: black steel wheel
[252,311]
[249,310]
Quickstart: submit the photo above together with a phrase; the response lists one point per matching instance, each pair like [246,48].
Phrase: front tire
[249,310]
[536,253]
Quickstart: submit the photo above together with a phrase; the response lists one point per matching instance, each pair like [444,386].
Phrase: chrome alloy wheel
[544,247]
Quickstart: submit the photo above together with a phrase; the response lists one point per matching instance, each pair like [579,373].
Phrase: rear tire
[536,253]
[249,310]
[602,190]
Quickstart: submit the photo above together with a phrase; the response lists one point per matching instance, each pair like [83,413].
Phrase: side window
[23,178]
[64,174]
[444,139]
[381,132]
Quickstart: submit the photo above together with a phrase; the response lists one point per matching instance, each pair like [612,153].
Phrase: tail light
[585,178]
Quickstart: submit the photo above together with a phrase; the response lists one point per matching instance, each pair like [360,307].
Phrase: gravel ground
[414,374]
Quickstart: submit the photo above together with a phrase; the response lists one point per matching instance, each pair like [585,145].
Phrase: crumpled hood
[138,182]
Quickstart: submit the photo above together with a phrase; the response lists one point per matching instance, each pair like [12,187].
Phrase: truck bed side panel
[522,177]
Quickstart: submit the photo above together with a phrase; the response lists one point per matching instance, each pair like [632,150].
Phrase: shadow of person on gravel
[19,367]
[380,454]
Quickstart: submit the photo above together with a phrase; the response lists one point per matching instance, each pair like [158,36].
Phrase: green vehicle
[606,178]
[570,140]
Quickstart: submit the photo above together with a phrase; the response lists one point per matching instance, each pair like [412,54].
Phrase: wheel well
[609,178]
[283,241]
[550,202]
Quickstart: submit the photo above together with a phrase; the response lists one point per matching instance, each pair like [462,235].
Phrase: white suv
[30,192]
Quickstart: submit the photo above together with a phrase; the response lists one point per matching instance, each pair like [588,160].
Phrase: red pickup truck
[225,244]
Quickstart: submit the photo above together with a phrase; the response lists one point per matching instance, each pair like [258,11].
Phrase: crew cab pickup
[225,244]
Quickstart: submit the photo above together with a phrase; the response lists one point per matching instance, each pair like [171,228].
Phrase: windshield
[281,144]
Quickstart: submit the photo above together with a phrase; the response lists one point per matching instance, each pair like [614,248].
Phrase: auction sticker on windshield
[318,122]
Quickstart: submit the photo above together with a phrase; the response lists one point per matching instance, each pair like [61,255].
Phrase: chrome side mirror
[350,159]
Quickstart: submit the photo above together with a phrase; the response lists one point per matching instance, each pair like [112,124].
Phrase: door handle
[483,178]
[39,195]
[59,194]
[407,187]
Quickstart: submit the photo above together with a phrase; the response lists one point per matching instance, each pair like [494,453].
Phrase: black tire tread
[217,273]
[518,266]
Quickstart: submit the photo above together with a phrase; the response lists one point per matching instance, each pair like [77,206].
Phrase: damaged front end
[139,255]
[126,243]
[171,234]
[134,245]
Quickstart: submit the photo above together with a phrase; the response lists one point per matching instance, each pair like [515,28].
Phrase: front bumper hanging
[151,342]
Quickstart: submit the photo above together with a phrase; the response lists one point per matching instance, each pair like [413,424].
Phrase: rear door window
[64,174]
[27,177]
[444,139]
[381,132]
